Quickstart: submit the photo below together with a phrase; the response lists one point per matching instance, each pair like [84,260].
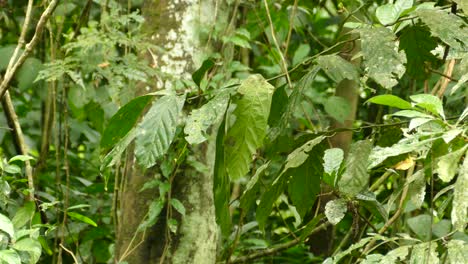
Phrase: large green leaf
[203,118]
[294,165]
[157,129]
[6,225]
[123,121]
[304,184]
[8,256]
[221,184]
[429,102]
[335,210]
[250,125]
[383,62]
[294,100]
[421,226]
[389,13]
[24,215]
[460,198]
[331,164]
[338,68]
[390,100]
[424,253]
[448,27]
[31,246]
[249,197]
[447,164]
[457,251]
[356,178]
[418,53]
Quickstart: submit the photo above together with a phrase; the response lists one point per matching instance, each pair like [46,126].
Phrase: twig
[277,248]
[69,252]
[10,72]
[291,25]
[9,110]
[443,75]
[275,41]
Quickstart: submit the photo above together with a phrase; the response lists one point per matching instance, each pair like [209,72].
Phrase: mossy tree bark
[174,26]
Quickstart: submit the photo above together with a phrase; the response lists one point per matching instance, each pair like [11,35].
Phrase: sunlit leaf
[249,129]
[203,118]
[82,218]
[425,253]
[356,178]
[457,251]
[9,256]
[335,210]
[383,62]
[157,129]
[447,165]
[460,198]
[31,246]
[450,28]
[429,102]
[6,225]
[390,100]
[338,68]
[123,121]
[24,215]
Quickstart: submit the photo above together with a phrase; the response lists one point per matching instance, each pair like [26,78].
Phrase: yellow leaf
[405,164]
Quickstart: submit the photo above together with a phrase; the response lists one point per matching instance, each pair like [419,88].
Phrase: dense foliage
[283,81]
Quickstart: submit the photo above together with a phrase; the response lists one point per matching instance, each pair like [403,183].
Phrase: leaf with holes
[157,129]
[250,125]
[383,62]
[356,178]
[335,210]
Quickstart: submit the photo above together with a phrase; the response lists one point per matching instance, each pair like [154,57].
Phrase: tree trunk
[174,26]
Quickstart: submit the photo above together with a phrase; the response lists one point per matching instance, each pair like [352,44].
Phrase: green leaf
[28,73]
[448,27]
[379,154]
[447,164]
[221,184]
[335,210]
[356,178]
[418,53]
[457,251]
[279,104]
[417,188]
[178,206]
[6,225]
[390,100]
[173,225]
[249,129]
[291,167]
[421,226]
[412,114]
[249,197]
[200,120]
[331,163]
[157,129]
[294,101]
[389,13]
[424,253]
[154,210]
[383,62]
[338,68]
[338,108]
[31,246]
[300,155]
[460,198]
[114,155]
[21,158]
[198,75]
[300,54]
[82,218]
[9,256]
[123,121]
[304,184]
[5,55]
[429,102]
[24,215]
[393,256]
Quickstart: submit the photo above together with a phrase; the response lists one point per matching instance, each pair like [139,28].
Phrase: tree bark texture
[175,27]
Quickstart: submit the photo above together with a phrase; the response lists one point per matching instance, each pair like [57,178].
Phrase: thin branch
[275,41]
[10,72]
[12,117]
[443,75]
[277,248]
[69,252]
[291,26]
